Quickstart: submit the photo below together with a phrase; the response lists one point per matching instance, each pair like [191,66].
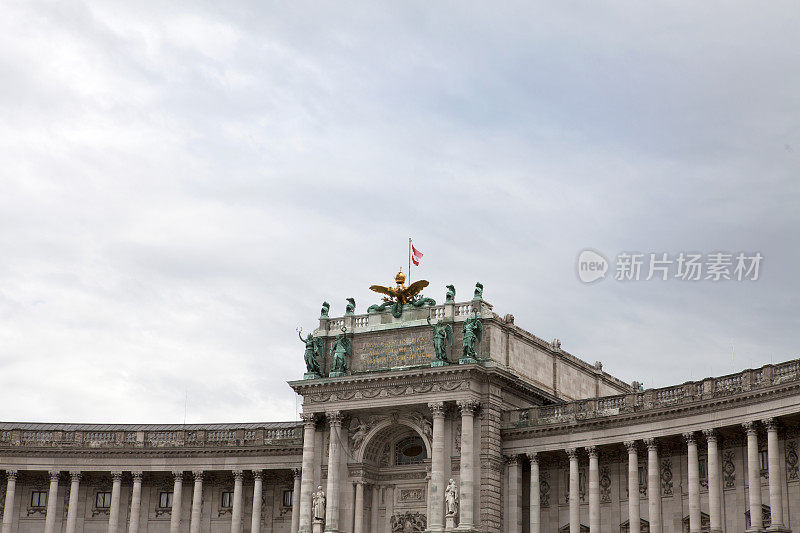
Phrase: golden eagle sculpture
[400,294]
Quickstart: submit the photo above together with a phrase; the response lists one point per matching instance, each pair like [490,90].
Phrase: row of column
[437,485]
[359,522]
[136,501]
[654,485]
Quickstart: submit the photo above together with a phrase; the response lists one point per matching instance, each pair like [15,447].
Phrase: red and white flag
[416,255]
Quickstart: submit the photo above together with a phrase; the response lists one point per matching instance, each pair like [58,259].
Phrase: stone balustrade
[652,399]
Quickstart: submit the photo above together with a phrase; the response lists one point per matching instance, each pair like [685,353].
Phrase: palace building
[420,416]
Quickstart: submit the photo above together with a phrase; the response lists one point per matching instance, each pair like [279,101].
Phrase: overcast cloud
[183,183]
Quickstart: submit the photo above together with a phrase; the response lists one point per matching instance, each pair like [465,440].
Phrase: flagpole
[409,261]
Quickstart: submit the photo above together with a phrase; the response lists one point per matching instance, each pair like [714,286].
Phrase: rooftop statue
[400,295]
[325,307]
[450,296]
[442,338]
[473,334]
[313,352]
[341,349]
[351,307]
[478,291]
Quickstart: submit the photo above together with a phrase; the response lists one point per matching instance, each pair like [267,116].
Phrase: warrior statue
[341,349]
[451,499]
[442,338]
[313,351]
[473,334]
[350,308]
[325,308]
[318,503]
[450,296]
[478,291]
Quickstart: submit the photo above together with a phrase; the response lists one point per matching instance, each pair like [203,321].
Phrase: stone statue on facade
[350,308]
[341,349]
[473,334]
[318,504]
[313,351]
[325,308]
[478,291]
[442,338]
[450,295]
[358,429]
[451,499]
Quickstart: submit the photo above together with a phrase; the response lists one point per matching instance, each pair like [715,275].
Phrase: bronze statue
[351,307]
[324,312]
[442,338]
[313,351]
[450,296]
[473,334]
[341,349]
[478,291]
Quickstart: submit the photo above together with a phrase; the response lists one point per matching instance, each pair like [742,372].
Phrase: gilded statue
[401,295]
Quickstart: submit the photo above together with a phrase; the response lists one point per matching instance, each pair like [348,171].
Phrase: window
[227,500]
[287,498]
[409,451]
[642,476]
[39,498]
[763,460]
[702,463]
[165,500]
[103,500]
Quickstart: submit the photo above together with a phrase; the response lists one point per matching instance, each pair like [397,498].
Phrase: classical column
[358,526]
[536,517]
[594,491]
[653,486]
[332,508]
[197,502]
[574,502]
[753,476]
[136,502]
[714,486]
[634,526]
[8,509]
[694,482]
[467,468]
[52,500]
[177,493]
[296,500]
[113,512]
[436,523]
[258,486]
[775,489]
[236,512]
[388,497]
[307,472]
[514,493]
[373,521]
[72,508]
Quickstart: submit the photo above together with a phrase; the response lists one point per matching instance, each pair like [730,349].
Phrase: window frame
[165,495]
[42,499]
[226,495]
[104,494]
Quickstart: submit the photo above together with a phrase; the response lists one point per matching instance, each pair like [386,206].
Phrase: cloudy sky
[184,183]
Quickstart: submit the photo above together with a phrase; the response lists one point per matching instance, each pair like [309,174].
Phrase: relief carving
[666,476]
[791,460]
[728,469]
[408,523]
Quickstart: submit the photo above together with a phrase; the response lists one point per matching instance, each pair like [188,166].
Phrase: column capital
[116,476]
[750,427]
[591,450]
[12,474]
[54,475]
[710,435]
[533,457]
[770,423]
[512,459]
[309,419]
[334,418]
[137,476]
[258,474]
[689,437]
[198,475]
[178,475]
[631,446]
[296,472]
[468,406]
[75,475]
[437,408]
[237,474]
[572,453]
[651,443]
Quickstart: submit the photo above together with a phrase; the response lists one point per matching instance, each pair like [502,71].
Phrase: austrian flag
[416,255]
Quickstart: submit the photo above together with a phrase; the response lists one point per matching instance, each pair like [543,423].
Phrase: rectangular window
[103,500]
[227,500]
[763,460]
[165,500]
[287,498]
[642,476]
[39,498]
[702,463]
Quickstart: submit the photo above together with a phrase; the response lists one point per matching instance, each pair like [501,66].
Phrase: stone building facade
[533,438]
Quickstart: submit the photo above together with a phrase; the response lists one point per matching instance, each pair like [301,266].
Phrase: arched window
[409,451]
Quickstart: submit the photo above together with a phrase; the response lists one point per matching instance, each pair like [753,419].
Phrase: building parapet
[651,399]
[101,436]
